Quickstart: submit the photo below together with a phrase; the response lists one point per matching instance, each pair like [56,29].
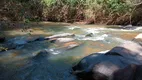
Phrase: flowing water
[27,64]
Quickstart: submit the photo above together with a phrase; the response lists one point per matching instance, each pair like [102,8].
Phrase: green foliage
[109,5]
[65,10]
[48,3]
[117,5]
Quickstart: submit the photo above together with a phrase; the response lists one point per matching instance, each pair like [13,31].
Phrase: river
[25,63]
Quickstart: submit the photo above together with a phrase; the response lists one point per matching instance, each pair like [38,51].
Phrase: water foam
[53,51]
[94,38]
[73,27]
[91,30]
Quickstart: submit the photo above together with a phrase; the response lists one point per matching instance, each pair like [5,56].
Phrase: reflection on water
[29,63]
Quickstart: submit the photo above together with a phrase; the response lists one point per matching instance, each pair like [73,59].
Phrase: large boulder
[106,66]
[129,50]
[99,65]
[131,72]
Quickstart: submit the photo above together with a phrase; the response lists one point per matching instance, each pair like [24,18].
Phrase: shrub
[102,11]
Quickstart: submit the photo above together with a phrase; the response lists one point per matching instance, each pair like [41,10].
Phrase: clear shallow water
[27,64]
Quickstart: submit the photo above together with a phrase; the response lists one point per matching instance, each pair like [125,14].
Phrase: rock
[94,64]
[89,35]
[60,35]
[63,47]
[100,67]
[64,40]
[131,72]
[53,40]
[126,73]
[40,56]
[138,39]
[129,27]
[61,40]
[19,42]
[138,72]
[103,66]
[2,39]
[139,36]
[13,44]
[130,50]
[104,70]
[40,39]
[71,45]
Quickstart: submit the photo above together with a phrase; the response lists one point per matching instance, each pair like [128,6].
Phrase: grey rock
[60,35]
[129,50]
[103,66]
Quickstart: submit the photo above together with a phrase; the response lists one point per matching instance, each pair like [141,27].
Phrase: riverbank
[110,12]
[15,25]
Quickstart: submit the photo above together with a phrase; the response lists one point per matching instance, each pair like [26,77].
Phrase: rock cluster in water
[19,42]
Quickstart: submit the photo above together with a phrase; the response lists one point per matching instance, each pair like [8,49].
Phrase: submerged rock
[13,44]
[71,45]
[63,47]
[60,35]
[128,27]
[19,42]
[64,40]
